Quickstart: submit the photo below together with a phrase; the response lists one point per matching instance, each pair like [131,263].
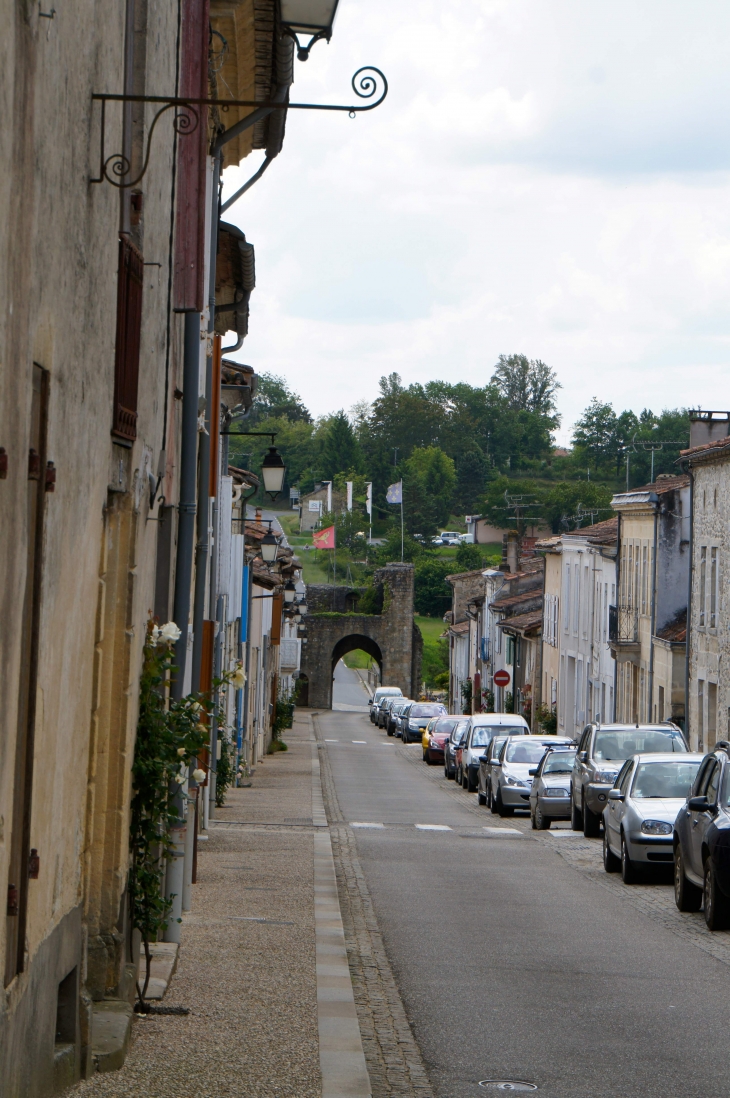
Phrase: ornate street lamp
[289,592]
[273,471]
[314,17]
[269,547]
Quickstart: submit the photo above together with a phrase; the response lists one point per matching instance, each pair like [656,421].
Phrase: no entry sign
[501,678]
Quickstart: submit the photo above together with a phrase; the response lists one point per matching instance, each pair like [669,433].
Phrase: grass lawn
[358,659]
[431,628]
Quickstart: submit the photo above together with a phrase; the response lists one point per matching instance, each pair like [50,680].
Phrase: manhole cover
[511,1086]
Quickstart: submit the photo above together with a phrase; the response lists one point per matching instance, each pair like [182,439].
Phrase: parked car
[466,539]
[602,751]
[483,727]
[393,713]
[386,704]
[701,842]
[415,716]
[435,735]
[382,692]
[511,781]
[451,746]
[491,755]
[550,791]
[638,820]
[450,537]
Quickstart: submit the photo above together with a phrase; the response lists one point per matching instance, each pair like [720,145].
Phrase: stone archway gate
[334,628]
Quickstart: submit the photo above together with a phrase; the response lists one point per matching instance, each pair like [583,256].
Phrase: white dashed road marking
[359,741]
[432,827]
[363,824]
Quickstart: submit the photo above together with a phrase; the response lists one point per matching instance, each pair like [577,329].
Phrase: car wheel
[629,873]
[611,863]
[489,795]
[591,823]
[470,786]
[425,757]
[687,896]
[390,731]
[542,823]
[717,908]
[502,808]
[481,797]
[576,817]
[533,823]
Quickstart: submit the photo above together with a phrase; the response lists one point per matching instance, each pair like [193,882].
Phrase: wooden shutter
[129,327]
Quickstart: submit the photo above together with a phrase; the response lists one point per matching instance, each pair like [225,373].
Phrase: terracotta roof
[461,627]
[243,476]
[515,600]
[663,484]
[675,630]
[718,444]
[522,623]
[604,533]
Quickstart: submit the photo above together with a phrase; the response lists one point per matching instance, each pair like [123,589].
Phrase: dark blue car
[702,842]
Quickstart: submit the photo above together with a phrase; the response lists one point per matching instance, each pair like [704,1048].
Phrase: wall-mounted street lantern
[269,547]
[273,471]
[289,592]
[313,17]
[302,607]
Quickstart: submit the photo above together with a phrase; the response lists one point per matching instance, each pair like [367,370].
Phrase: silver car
[483,727]
[550,792]
[484,782]
[602,751]
[638,820]
[511,781]
[391,722]
[380,693]
[386,704]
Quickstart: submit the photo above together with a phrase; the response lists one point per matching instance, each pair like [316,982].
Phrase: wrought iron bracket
[115,169]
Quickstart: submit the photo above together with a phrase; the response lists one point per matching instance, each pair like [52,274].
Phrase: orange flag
[324,539]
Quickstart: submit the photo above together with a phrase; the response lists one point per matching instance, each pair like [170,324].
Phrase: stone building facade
[709,652]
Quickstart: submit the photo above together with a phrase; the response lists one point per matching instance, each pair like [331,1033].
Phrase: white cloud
[545,176]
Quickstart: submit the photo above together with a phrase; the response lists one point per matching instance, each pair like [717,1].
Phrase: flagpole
[401,522]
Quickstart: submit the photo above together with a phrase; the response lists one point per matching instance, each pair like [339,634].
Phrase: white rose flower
[195,707]
[181,777]
[155,634]
[199,775]
[181,751]
[238,678]
[170,633]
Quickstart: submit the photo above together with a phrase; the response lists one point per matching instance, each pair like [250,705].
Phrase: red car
[435,735]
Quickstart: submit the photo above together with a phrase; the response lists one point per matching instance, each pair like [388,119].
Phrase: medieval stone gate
[334,628]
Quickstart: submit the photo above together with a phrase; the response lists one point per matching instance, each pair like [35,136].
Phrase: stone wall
[391,638]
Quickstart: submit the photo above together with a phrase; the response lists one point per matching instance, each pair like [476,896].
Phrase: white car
[450,537]
[483,727]
[380,693]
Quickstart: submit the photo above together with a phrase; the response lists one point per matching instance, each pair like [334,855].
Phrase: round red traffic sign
[502,678]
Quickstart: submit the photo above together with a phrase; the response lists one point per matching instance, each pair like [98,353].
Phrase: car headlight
[514,781]
[555,791]
[656,827]
[605,776]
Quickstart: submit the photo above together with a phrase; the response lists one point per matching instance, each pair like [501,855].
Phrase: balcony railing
[623,624]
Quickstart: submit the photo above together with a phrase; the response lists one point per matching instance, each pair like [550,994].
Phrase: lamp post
[313,17]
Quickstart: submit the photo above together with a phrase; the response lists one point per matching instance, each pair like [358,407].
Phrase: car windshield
[559,762]
[616,745]
[426,710]
[445,726]
[664,779]
[525,752]
[484,733]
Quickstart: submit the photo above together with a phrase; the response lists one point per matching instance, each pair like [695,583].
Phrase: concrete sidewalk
[262,964]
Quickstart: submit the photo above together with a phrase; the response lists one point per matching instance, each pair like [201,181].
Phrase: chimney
[707,427]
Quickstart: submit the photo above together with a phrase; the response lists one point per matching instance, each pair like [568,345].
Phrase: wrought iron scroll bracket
[367,82]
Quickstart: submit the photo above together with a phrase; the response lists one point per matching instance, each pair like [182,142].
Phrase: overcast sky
[548,177]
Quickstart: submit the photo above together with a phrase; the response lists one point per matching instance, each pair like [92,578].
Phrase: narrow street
[516,956]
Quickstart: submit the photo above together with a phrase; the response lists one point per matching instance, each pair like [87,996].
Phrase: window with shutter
[129,326]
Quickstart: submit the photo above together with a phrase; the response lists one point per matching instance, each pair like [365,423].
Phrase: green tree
[527,385]
[472,473]
[469,558]
[594,434]
[340,448]
[432,594]
[274,399]
[434,473]
[565,505]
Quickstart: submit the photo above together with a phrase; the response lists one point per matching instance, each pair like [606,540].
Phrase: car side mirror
[495,763]
[615,795]
[582,756]
[698,804]
[532,773]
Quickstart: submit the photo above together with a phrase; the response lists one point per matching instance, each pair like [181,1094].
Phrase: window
[622,782]
[703,584]
[129,327]
[712,784]
[713,588]
[566,600]
[644,578]
[586,590]
[576,598]
[637,579]
[711,714]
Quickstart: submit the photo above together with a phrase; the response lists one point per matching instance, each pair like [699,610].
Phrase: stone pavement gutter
[287,999]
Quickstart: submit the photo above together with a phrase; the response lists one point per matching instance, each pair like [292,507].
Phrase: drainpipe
[614,715]
[653,617]
[688,634]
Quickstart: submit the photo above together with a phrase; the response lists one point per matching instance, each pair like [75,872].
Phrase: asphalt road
[348,691]
[513,963]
